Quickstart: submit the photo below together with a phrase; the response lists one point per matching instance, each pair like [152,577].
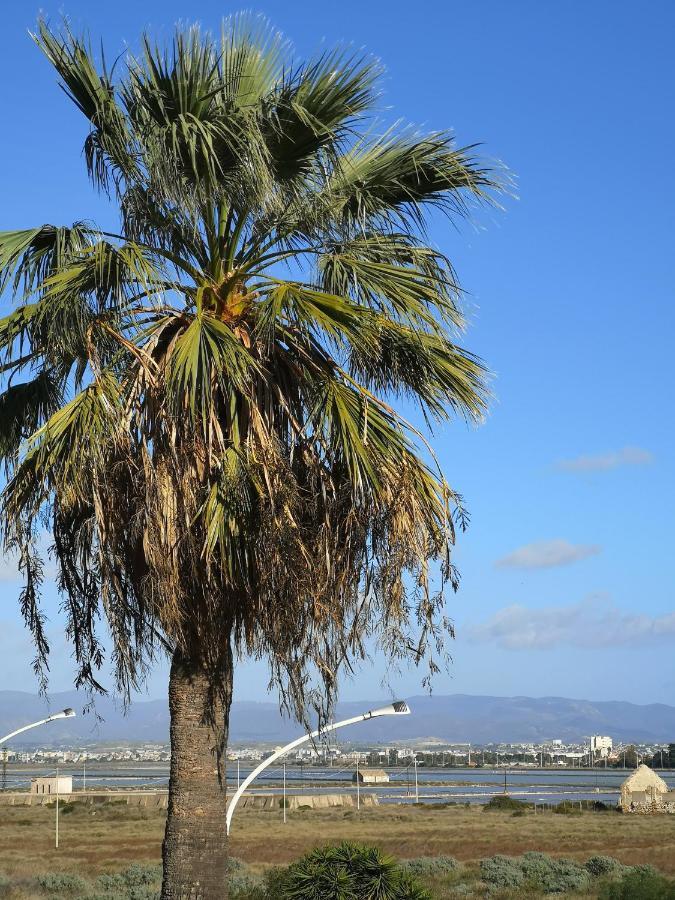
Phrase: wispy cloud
[595,622]
[547,555]
[628,456]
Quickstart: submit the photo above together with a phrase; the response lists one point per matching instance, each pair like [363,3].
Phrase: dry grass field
[109,837]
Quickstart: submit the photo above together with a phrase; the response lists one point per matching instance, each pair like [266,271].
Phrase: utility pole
[84,774]
[284,793]
[417,793]
[57,807]
[358,785]
[3,787]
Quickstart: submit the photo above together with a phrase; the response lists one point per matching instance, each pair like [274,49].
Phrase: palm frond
[395,175]
[314,107]
[30,256]
[107,147]
[24,408]
[204,355]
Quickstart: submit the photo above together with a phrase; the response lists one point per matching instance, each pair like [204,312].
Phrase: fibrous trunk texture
[195,841]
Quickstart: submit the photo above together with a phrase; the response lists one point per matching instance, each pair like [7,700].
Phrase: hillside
[455,717]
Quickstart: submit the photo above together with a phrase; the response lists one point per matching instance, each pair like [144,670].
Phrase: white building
[52,785]
[601,745]
[371,776]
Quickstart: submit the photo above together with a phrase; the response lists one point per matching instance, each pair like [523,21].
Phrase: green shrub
[604,866]
[234,864]
[640,883]
[503,801]
[566,877]
[566,808]
[430,866]
[136,876]
[501,872]
[61,883]
[142,892]
[552,876]
[5,886]
[346,872]
[244,887]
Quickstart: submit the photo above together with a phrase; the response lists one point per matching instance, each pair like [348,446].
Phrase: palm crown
[199,407]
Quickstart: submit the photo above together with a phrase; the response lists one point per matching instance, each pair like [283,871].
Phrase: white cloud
[595,622]
[628,456]
[546,555]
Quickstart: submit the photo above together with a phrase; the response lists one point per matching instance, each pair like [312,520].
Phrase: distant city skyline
[566,579]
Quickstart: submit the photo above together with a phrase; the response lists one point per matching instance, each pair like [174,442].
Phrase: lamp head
[397,708]
[66,713]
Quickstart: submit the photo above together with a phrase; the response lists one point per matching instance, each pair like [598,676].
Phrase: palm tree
[198,406]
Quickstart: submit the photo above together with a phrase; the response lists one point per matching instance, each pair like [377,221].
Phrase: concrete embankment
[158,799]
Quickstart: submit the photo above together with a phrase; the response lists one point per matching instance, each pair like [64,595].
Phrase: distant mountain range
[455,717]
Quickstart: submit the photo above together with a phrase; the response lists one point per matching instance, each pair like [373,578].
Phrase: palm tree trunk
[195,841]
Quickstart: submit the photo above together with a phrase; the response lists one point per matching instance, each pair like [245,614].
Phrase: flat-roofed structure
[52,785]
[371,776]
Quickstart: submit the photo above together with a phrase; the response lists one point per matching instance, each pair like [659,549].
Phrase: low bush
[135,876]
[346,872]
[640,883]
[430,866]
[134,893]
[503,801]
[604,866]
[501,872]
[537,870]
[567,808]
[61,883]
[244,887]
[234,864]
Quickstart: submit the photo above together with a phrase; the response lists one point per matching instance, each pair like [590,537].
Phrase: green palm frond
[24,408]
[202,403]
[204,355]
[395,175]
[29,257]
[65,452]
[313,108]
[93,92]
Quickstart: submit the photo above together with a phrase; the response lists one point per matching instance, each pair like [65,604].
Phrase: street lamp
[397,708]
[64,714]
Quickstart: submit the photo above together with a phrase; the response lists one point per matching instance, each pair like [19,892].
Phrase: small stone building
[646,792]
[371,776]
[52,785]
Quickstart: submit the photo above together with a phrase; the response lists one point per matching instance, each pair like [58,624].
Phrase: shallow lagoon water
[460,785]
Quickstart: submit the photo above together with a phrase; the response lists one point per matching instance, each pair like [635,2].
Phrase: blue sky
[567,583]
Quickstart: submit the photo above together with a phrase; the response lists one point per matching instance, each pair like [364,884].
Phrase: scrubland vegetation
[113,851]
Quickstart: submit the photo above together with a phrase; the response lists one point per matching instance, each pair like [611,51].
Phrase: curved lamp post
[397,708]
[64,714]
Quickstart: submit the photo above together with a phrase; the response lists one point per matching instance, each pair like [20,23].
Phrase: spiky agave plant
[197,407]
